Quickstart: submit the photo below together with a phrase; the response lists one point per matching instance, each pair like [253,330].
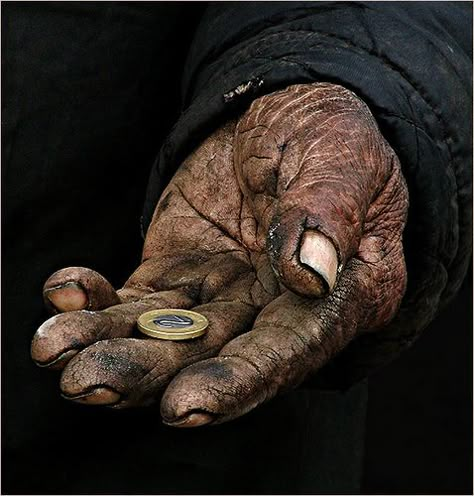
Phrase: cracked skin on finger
[300,205]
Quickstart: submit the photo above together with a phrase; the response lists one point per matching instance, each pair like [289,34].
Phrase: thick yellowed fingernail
[318,253]
[192,420]
[98,396]
[68,297]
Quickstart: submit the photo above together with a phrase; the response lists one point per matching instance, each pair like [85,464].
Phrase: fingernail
[192,420]
[59,362]
[318,253]
[98,396]
[67,297]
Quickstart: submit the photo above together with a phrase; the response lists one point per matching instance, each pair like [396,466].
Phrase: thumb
[311,160]
[320,215]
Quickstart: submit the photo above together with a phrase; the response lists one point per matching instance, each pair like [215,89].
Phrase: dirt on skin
[284,228]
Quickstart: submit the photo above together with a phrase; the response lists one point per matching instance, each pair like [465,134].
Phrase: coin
[172,324]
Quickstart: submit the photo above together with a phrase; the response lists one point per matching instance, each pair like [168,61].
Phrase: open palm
[283,228]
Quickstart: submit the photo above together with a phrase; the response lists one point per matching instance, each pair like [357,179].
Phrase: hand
[283,228]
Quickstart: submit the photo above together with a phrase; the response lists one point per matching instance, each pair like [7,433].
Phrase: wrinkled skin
[284,228]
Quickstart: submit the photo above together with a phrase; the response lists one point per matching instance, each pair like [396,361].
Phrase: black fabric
[89,91]
[411,62]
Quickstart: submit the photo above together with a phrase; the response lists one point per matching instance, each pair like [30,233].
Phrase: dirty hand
[284,228]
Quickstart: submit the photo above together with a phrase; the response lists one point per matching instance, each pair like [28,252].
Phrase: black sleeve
[411,62]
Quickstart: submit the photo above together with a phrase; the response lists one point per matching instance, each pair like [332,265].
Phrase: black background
[89,92]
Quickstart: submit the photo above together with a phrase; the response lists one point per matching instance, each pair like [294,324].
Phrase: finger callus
[64,335]
[78,288]
[138,369]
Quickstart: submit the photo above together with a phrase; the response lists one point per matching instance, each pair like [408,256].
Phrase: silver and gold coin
[172,324]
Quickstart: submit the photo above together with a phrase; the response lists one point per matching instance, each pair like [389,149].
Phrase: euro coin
[172,324]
